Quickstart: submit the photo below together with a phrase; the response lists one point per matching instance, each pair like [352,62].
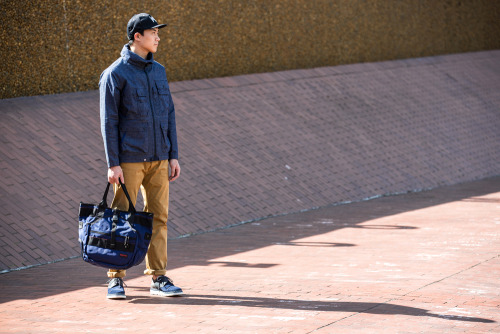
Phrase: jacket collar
[134,58]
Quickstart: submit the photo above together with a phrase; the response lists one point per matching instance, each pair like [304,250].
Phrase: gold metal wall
[63,45]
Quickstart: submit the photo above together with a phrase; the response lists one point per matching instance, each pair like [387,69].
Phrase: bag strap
[113,229]
[131,207]
[104,202]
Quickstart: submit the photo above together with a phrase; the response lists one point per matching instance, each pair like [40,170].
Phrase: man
[140,141]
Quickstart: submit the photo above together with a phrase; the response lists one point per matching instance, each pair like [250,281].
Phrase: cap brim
[159,26]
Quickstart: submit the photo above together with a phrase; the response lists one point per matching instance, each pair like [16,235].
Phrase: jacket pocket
[141,94]
[166,141]
[163,98]
[133,140]
[140,101]
[162,86]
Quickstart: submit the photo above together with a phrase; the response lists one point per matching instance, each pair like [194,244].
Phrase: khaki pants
[152,179]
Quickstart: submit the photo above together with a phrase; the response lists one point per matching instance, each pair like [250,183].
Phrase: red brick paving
[258,145]
[423,262]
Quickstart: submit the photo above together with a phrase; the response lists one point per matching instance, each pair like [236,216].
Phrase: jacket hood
[134,58]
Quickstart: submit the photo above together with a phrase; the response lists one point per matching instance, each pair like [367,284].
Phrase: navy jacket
[137,111]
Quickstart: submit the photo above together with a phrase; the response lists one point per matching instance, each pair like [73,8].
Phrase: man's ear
[137,35]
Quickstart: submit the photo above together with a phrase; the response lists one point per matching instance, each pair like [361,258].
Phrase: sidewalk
[417,263]
[258,145]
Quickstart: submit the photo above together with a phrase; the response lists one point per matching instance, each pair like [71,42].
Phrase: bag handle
[131,207]
[104,202]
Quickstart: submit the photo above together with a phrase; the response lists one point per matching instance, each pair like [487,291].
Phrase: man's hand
[175,169]
[115,173]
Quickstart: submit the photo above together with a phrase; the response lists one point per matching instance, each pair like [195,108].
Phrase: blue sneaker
[163,286]
[115,289]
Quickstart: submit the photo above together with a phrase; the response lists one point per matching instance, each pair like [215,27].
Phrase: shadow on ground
[204,249]
[291,304]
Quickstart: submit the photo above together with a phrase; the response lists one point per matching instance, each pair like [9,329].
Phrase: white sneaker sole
[164,294]
[116,297]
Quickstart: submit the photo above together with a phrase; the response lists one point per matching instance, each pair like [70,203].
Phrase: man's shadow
[291,304]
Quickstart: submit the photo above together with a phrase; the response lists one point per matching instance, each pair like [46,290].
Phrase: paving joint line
[6,271]
[396,298]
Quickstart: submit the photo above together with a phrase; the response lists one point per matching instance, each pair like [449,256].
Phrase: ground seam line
[38,264]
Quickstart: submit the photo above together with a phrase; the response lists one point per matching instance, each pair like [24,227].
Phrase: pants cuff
[116,273]
[155,272]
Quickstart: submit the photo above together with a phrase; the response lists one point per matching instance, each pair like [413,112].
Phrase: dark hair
[140,31]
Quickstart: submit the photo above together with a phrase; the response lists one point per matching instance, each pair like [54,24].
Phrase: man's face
[149,41]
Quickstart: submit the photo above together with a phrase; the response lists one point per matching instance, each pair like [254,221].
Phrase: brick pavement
[258,145]
[424,262]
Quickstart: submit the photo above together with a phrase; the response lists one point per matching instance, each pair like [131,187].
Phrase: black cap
[141,21]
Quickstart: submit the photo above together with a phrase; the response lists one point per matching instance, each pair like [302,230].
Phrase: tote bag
[111,238]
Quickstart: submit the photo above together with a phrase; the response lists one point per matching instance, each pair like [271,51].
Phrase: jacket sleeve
[172,132]
[172,135]
[109,92]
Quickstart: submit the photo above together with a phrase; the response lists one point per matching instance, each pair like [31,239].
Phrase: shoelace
[164,280]
[119,281]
